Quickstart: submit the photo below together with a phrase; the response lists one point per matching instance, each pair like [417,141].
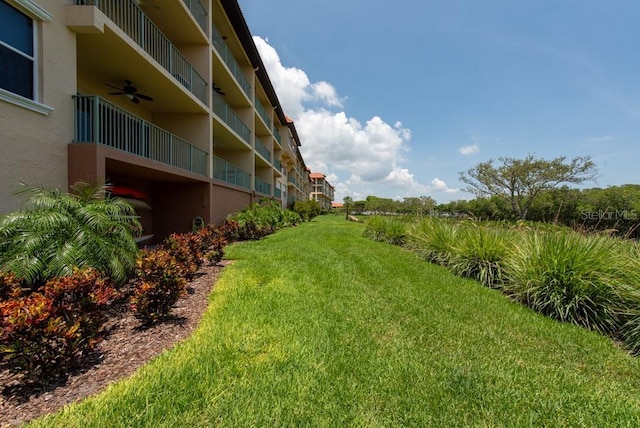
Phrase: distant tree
[379,205]
[348,203]
[520,181]
[359,207]
[417,205]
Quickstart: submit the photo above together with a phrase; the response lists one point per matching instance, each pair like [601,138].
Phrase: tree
[520,181]
[55,232]
[348,200]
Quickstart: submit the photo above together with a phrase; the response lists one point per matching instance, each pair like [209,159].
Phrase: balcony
[99,121]
[277,192]
[141,29]
[278,137]
[199,13]
[229,173]
[262,112]
[262,149]
[228,116]
[231,62]
[293,181]
[278,165]
[262,186]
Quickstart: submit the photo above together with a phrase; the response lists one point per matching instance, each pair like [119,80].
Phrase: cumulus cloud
[470,149]
[440,186]
[292,84]
[365,155]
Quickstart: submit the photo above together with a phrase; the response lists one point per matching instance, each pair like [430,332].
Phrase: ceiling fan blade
[117,93]
[135,100]
[114,87]
[144,97]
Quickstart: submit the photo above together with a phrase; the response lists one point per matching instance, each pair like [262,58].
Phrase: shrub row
[162,273]
[589,280]
[46,329]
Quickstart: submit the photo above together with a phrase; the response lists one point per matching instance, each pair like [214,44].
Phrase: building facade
[167,101]
[321,190]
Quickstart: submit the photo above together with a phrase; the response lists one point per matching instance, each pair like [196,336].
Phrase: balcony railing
[262,149]
[278,165]
[277,135]
[277,192]
[263,187]
[137,25]
[99,121]
[199,13]
[229,173]
[228,116]
[228,58]
[263,113]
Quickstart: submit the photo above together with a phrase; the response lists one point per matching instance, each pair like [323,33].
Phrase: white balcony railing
[99,121]
[127,15]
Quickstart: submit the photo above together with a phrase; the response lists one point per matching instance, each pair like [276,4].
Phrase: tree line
[532,189]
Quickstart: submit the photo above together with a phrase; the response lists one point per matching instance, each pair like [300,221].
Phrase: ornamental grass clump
[391,230]
[479,253]
[434,239]
[585,280]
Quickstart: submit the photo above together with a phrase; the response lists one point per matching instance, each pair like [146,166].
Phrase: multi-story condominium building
[167,101]
[321,190]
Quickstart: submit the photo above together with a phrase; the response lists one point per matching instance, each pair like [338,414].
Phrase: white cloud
[469,150]
[440,186]
[292,84]
[366,155]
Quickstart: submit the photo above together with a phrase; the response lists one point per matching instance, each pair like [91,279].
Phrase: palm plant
[56,231]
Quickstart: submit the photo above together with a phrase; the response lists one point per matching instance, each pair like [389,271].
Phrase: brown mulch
[127,346]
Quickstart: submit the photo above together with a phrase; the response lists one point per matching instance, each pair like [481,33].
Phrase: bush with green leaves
[479,252]
[46,332]
[433,238]
[261,219]
[307,210]
[586,280]
[55,232]
[389,229]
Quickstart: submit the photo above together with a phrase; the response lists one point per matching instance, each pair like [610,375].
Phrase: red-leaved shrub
[186,249]
[159,285]
[45,333]
[10,286]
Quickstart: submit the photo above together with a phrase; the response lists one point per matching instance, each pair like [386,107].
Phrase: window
[16,51]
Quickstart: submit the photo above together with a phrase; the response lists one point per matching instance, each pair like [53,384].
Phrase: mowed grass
[319,326]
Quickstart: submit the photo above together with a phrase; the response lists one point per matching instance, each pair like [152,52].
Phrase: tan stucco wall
[226,200]
[32,145]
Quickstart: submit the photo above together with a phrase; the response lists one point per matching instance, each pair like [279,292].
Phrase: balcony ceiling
[175,21]
[110,58]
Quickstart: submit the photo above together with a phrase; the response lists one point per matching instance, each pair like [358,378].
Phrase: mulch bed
[127,346]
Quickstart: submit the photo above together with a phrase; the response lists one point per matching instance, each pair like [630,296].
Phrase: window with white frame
[17,58]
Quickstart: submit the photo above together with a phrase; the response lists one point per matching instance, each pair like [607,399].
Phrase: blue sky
[394,99]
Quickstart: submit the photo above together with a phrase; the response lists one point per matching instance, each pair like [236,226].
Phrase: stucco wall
[33,146]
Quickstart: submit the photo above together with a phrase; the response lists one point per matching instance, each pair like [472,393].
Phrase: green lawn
[318,326]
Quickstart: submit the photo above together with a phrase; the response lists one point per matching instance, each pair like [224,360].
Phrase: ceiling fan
[130,92]
[218,89]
